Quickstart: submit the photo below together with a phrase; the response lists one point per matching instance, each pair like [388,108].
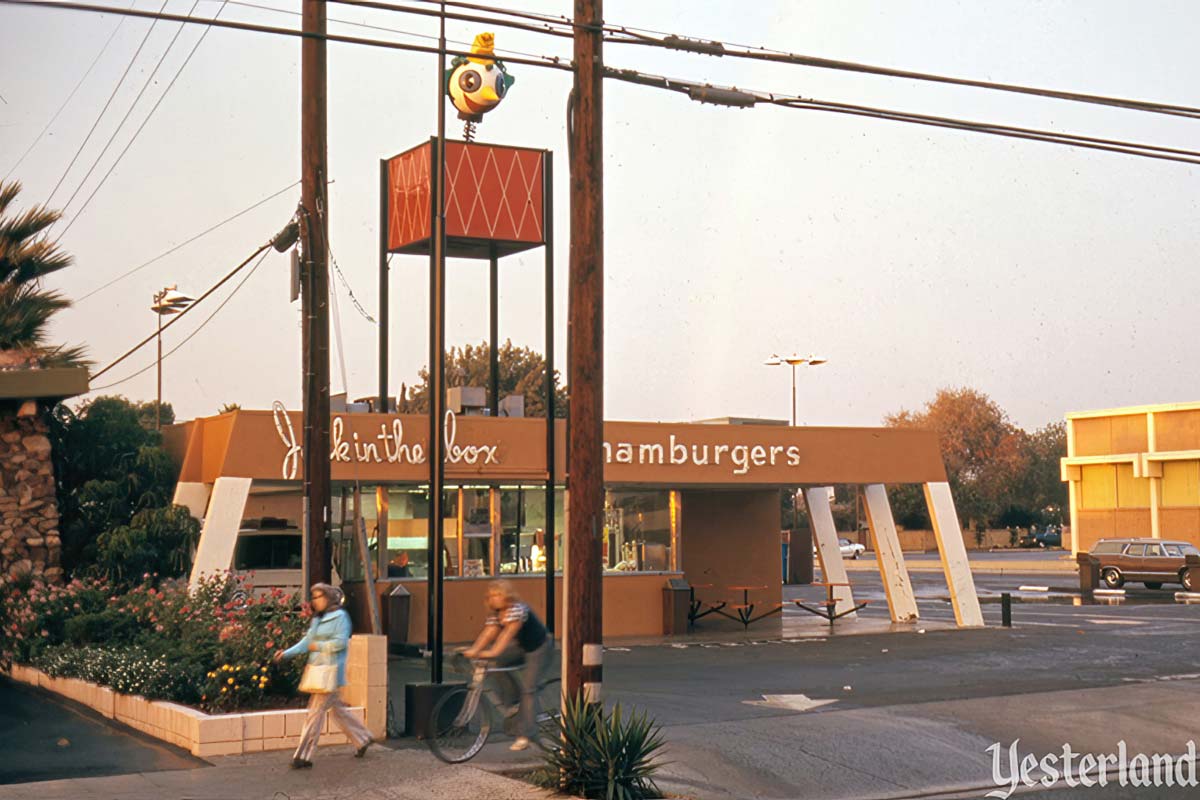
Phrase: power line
[697,91]
[744,98]
[83,78]
[136,133]
[120,82]
[551,62]
[183,313]
[189,337]
[186,242]
[717,48]
[112,137]
[500,51]
[624,34]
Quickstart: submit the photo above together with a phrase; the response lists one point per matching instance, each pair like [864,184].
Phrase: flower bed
[232,734]
[161,642]
[174,664]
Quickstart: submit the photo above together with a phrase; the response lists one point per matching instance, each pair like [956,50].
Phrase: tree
[227,407]
[26,257]
[159,541]
[108,466]
[1042,493]
[984,453]
[522,371]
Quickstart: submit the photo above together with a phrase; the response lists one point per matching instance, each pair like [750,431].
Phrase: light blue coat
[330,632]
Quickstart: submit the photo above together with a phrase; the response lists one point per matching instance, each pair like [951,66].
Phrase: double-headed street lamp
[794,361]
[168,301]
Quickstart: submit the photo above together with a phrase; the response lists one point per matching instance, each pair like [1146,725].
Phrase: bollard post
[1006,610]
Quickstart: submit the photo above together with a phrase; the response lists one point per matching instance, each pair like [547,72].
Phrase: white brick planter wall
[233,734]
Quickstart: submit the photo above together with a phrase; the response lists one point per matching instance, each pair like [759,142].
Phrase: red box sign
[494,199]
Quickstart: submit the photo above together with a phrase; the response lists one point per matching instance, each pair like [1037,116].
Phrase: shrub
[158,541]
[162,642]
[609,756]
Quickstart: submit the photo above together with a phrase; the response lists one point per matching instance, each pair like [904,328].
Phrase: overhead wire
[630,34]
[149,115]
[229,276]
[500,51]
[128,112]
[696,90]
[550,62]
[723,95]
[120,82]
[191,335]
[65,103]
[186,242]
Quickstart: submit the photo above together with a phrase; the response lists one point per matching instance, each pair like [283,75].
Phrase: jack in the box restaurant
[697,502]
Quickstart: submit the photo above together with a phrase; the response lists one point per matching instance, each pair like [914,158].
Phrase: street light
[167,302]
[794,361]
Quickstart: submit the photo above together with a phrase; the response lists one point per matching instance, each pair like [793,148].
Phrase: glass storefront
[641,530]
[496,530]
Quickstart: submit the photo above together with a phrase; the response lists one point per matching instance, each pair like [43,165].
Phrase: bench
[830,611]
[743,612]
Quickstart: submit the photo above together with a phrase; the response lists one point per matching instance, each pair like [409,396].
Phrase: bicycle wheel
[459,725]
[549,714]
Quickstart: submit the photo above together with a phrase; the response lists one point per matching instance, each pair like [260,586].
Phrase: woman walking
[326,643]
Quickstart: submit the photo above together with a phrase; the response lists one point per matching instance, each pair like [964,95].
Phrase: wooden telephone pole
[314,231]
[582,635]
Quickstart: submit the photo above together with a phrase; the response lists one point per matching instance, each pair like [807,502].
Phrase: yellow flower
[264,669]
[223,690]
[212,674]
[230,681]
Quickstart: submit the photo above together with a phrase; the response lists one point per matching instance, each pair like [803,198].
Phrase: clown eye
[470,81]
[501,86]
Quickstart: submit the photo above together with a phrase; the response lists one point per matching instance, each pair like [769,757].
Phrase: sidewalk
[411,773]
[930,562]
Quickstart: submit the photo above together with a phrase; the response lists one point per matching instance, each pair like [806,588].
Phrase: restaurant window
[522,529]
[406,510]
[640,530]
[476,520]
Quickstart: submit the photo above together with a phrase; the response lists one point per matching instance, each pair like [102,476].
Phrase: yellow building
[1134,472]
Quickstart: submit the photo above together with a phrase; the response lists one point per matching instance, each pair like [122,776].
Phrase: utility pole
[314,230]
[583,634]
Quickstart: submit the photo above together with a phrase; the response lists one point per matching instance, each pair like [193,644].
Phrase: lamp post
[794,361]
[168,301]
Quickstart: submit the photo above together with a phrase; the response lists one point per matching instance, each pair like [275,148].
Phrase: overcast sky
[912,258]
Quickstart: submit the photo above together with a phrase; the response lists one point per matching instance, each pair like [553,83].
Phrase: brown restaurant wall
[731,538]
[632,604]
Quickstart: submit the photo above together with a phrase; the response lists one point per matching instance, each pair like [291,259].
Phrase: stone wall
[29,540]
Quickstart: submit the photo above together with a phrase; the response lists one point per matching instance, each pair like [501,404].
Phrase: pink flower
[270,644]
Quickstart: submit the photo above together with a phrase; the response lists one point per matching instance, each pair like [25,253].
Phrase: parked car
[849,549]
[270,550]
[1050,536]
[1151,561]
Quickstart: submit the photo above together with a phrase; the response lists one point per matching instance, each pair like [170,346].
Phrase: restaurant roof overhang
[391,448]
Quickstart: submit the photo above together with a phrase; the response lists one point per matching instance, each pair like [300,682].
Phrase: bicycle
[462,720]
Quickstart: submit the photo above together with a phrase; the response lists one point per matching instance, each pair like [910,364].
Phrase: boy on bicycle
[512,634]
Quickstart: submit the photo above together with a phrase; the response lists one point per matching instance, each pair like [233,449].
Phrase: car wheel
[1152,585]
[1112,578]
[857,553]
[1185,577]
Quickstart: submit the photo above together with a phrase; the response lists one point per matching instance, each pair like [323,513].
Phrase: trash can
[1191,572]
[677,603]
[399,603]
[1089,573]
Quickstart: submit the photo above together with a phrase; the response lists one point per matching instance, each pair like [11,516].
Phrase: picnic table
[830,611]
[743,612]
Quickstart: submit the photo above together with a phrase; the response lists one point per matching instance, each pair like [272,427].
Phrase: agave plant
[27,256]
[604,756]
